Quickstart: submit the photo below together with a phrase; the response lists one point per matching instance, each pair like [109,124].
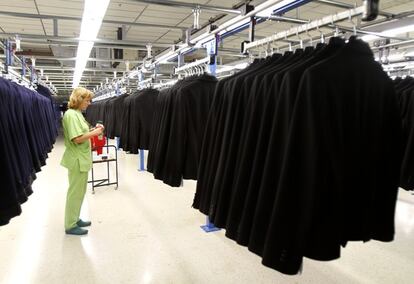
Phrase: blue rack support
[32,73]
[117,139]
[23,59]
[8,56]
[141,165]
[209,227]
[118,143]
[212,52]
[211,47]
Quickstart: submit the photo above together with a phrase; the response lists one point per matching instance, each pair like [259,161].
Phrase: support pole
[252,26]
[55,27]
[141,160]
[209,227]
[23,60]
[212,52]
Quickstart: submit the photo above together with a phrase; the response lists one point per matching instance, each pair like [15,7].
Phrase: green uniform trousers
[77,188]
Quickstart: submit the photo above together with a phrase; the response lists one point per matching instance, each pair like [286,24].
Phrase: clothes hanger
[300,39]
[321,33]
[309,36]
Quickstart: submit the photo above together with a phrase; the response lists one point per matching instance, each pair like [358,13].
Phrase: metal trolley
[105,181]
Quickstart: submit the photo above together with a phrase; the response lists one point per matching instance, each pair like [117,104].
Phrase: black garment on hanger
[405,91]
[189,116]
[288,147]
[137,120]
[350,122]
[178,129]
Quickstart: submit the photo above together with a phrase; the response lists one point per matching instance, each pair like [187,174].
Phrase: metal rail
[303,28]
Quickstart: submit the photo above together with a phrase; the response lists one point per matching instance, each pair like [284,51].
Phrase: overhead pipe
[54,43]
[72,39]
[205,37]
[178,4]
[41,57]
[284,19]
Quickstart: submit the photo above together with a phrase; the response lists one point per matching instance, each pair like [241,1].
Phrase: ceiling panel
[61,11]
[172,11]
[21,6]
[159,20]
[404,7]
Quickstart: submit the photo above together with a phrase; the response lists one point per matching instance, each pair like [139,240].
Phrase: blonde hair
[78,95]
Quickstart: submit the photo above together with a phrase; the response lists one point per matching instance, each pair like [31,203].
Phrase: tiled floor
[147,232]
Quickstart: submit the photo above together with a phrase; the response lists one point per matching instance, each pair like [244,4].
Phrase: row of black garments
[178,128]
[302,153]
[405,92]
[109,113]
[45,91]
[128,116]
[28,131]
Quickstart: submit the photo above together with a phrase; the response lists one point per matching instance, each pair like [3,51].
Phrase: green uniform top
[74,125]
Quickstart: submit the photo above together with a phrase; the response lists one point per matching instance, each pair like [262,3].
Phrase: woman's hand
[95,132]
[99,125]
[98,130]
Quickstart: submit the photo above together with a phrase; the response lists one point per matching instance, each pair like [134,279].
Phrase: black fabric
[44,91]
[405,91]
[138,111]
[128,117]
[28,132]
[302,153]
[178,129]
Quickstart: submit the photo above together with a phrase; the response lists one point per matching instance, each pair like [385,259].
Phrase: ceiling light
[390,33]
[93,13]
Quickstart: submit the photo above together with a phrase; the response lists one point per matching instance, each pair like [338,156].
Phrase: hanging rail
[192,65]
[305,27]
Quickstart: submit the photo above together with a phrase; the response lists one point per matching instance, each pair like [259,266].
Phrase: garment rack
[316,24]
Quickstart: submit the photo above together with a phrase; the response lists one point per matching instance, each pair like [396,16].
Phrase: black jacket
[178,129]
[291,142]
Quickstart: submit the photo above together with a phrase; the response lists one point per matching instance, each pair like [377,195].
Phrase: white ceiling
[135,12]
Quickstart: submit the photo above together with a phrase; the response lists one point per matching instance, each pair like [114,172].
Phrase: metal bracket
[149,50]
[246,8]
[242,47]
[211,28]
[196,14]
[371,10]
[252,26]
[188,37]
[18,45]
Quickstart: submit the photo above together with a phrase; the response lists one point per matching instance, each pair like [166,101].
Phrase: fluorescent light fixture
[391,32]
[93,14]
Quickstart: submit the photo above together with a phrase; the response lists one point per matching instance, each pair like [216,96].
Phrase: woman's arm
[95,132]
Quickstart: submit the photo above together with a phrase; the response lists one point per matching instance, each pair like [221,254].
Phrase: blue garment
[27,133]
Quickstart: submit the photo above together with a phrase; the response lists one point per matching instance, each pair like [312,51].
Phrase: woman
[77,158]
